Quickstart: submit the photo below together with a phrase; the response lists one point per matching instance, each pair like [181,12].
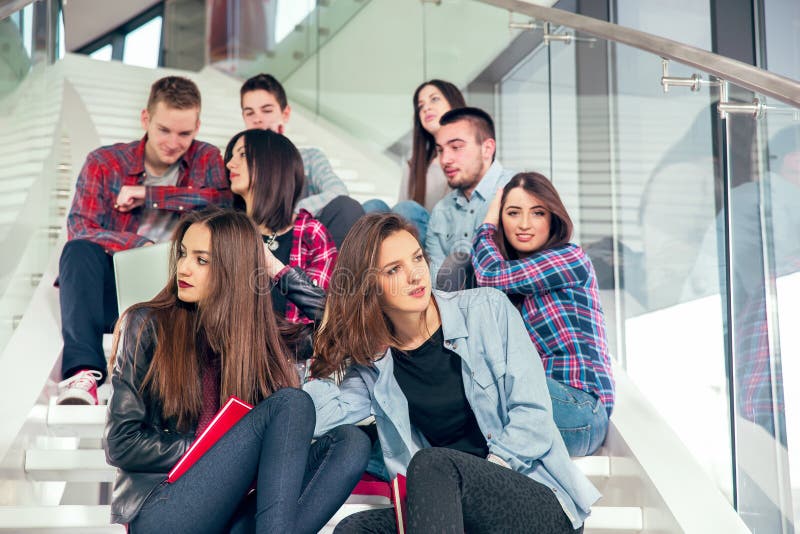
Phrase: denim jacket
[504,383]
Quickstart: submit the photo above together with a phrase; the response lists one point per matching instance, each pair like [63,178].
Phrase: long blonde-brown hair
[355,329]
[234,321]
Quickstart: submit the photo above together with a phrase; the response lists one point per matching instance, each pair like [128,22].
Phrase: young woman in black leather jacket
[209,334]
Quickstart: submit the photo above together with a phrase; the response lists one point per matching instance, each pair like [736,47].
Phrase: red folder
[229,415]
[399,501]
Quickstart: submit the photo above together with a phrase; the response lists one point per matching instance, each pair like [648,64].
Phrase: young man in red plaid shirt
[129,195]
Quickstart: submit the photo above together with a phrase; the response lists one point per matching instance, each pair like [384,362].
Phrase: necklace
[272,242]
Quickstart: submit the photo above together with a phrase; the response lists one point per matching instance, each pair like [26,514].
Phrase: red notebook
[229,415]
[399,501]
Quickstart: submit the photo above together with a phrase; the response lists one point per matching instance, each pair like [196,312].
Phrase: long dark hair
[276,176]
[560,223]
[235,321]
[423,147]
[354,328]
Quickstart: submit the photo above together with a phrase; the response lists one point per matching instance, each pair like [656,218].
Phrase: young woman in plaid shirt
[266,174]
[523,249]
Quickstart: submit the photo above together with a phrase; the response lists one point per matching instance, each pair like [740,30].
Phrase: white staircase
[54,475]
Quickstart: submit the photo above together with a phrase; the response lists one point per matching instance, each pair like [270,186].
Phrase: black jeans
[299,485]
[88,297]
[339,215]
[453,492]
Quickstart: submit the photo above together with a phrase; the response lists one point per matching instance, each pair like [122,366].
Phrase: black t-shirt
[430,377]
[282,253]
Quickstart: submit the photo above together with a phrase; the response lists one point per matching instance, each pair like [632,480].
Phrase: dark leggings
[299,486]
[453,492]
[338,216]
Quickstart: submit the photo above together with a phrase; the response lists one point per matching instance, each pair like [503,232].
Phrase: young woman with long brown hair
[209,334]
[458,394]
[523,249]
[267,178]
[423,182]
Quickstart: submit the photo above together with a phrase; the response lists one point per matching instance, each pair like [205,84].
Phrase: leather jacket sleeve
[136,438]
[309,298]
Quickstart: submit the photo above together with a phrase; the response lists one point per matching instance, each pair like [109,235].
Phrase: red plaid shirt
[201,181]
[314,251]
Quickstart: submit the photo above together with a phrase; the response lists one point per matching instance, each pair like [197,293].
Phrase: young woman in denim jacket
[523,249]
[457,390]
[206,336]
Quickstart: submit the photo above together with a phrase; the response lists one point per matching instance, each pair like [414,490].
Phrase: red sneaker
[80,388]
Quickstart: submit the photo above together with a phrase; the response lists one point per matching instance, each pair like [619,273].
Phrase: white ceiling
[86,20]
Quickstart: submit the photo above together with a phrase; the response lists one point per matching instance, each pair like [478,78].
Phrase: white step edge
[89,465]
[96,518]
[79,465]
[67,518]
[82,421]
[615,519]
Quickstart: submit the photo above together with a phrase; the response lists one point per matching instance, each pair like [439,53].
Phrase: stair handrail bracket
[746,76]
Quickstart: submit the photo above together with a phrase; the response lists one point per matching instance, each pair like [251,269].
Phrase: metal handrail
[10,7]
[744,75]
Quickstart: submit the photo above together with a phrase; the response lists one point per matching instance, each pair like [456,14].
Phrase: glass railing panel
[666,177]
[16,43]
[370,97]
[247,37]
[640,174]
[763,224]
[30,99]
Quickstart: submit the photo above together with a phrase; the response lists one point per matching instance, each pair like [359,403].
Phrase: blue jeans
[299,485]
[580,417]
[415,213]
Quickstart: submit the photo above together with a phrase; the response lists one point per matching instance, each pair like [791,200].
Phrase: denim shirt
[504,383]
[455,219]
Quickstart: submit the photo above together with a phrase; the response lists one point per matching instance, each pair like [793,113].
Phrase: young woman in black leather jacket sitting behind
[209,334]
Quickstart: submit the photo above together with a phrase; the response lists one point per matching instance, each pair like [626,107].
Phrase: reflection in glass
[15,49]
[665,179]
[766,251]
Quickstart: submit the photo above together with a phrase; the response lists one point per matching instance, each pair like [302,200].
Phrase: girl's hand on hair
[274,265]
[493,213]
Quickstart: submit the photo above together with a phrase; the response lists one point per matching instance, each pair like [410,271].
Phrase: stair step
[89,465]
[77,465]
[95,519]
[81,421]
[617,519]
[58,519]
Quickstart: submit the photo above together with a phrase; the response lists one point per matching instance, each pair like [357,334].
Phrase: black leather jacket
[309,298]
[138,441]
